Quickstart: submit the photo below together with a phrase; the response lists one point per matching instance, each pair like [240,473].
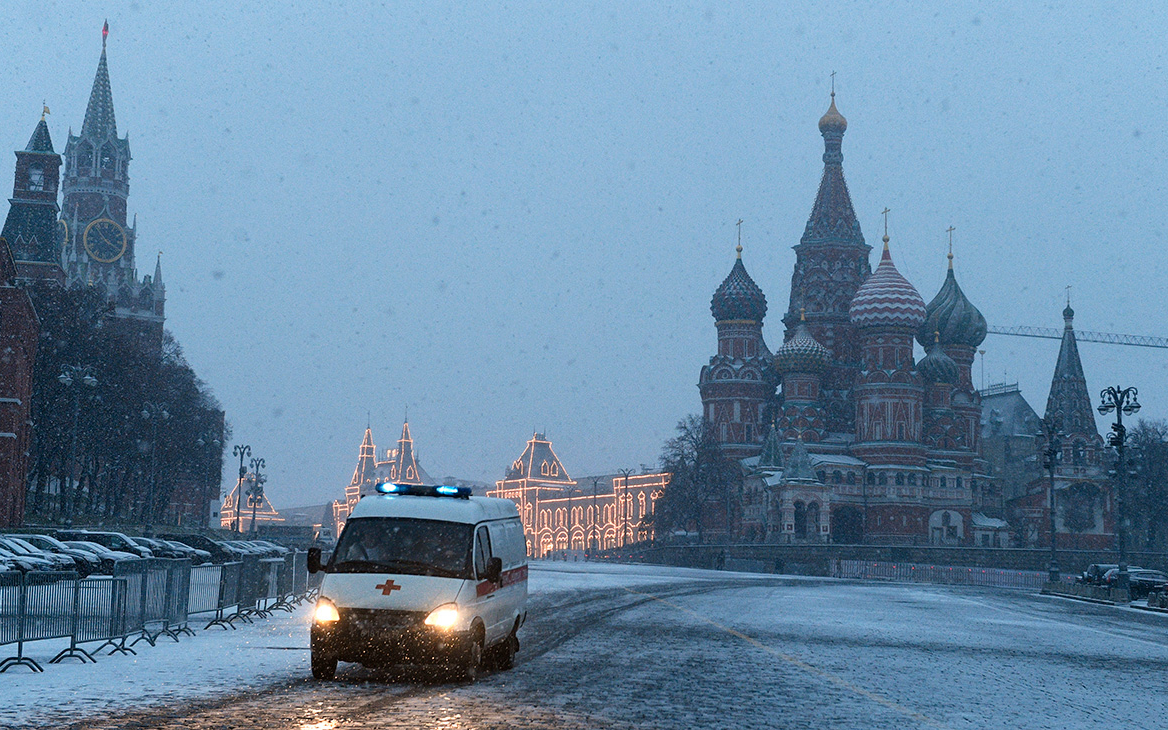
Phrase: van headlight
[444,617]
[326,612]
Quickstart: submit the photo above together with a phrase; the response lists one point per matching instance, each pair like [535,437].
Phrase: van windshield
[403,545]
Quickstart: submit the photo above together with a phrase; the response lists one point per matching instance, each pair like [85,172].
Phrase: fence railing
[949,575]
[141,601]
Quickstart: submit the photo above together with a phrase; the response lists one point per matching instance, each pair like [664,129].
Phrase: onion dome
[802,353]
[953,316]
[832,121]
[738,297]
[936,365]
[887,299]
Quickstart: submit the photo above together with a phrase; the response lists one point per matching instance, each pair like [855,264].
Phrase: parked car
[158,547]
[195,555]
[1094,573]
[112,540]
[19,547]
[1140,582]
[62,559]
[108,557]
[24,563]
[220,552]
[274,546]
[52,544]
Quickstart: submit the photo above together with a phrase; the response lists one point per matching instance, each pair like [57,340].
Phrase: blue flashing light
[418,490]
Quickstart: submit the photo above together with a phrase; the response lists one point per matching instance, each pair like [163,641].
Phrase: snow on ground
[218,662]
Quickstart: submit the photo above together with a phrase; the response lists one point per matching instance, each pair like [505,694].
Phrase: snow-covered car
[195,555]
[220,551]
[108,557]
[422,576]
[25,563]
[52,544]
[111,540]
[1140,582]
[20,547]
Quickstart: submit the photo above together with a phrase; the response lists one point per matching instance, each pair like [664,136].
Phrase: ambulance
[422,575]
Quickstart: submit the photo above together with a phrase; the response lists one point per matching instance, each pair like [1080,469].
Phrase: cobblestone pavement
[779,655]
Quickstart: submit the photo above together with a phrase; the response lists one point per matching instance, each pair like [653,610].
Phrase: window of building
[872,478]
[851,477]
[899,479]
[107,157]
[837,477]
[882,479]
[912,480]
[821,476]
[36,178]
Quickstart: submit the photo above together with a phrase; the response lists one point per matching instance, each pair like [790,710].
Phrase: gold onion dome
[937,366]
[832,121]
[802,353]
[738,297]
[953,316]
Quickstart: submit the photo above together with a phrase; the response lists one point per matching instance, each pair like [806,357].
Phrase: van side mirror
[494,569]
[314,560]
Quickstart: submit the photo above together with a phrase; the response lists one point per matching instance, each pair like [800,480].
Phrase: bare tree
[702,478]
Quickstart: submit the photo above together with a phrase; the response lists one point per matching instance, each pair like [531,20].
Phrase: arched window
[851,479]
[900,479]
[872,478]
[821,476]
[837,477]
[36,178]
[107,157]
[641,504]
[912,479]
[882,479]
[800,520]
[84,159]
[543,469]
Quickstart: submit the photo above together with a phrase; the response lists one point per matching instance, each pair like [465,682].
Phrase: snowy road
[622,647]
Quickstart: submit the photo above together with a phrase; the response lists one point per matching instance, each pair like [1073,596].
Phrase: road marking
[810,669]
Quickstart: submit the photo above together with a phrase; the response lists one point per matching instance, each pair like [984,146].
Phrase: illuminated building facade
[399,466]
[561,514]
[862,441]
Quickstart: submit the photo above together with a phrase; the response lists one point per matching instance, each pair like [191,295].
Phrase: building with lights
[561,514]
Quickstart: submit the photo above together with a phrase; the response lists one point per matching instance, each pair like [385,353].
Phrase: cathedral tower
[887,310]
[831,263]
[31,229]
[735,385]
[99,243]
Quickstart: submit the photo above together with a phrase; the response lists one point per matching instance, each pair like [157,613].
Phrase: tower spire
[99,121]
[950,230]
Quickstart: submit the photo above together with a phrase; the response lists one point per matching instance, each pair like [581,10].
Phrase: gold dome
[832,121]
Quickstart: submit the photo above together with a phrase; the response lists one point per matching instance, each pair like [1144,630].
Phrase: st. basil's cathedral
[842,434]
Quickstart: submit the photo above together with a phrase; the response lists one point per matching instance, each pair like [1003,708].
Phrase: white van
[424,576]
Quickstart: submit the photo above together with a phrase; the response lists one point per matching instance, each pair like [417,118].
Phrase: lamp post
[73,375]
[1054,446]
[211,439]
[624,507]
[1123,401]
[255,495]
[154,413]
[242,451]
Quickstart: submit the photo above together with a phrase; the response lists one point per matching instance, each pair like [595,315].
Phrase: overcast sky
[509,217]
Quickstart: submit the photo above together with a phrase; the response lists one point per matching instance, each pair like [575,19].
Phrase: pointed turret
[798,467]
[771,457]
[832,218]
[158,270]
[40,140]
[405,470]
[1069,399]
[99,121]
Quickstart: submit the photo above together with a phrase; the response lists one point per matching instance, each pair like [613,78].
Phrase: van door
[507,543]
[487,599]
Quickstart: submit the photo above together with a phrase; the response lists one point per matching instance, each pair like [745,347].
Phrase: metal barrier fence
[142,600]
[949,575]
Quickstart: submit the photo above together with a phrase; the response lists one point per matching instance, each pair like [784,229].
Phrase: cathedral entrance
[847,525]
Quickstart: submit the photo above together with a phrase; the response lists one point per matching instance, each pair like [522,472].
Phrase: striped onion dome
[887,299]
[738,297]
[802,353]
[953,316]
[936,365]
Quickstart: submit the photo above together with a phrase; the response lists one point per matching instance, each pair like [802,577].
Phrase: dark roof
[953,316]
[40,140]
[832,218]
[99,121]
[738,297]
[31,230]
[1004,412]
[1069,399]
[539,462]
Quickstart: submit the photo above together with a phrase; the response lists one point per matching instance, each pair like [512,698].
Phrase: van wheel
[505,652]
[474,661]
[323,668]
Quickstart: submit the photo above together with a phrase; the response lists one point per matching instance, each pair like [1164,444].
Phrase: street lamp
[255,494]
[625,506]
[242,451]
[1123,402]
[71,374]
[211,439]
[1054,446]
[155,413]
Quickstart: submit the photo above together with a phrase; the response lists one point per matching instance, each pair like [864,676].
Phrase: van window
[482,551]
[403,545]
